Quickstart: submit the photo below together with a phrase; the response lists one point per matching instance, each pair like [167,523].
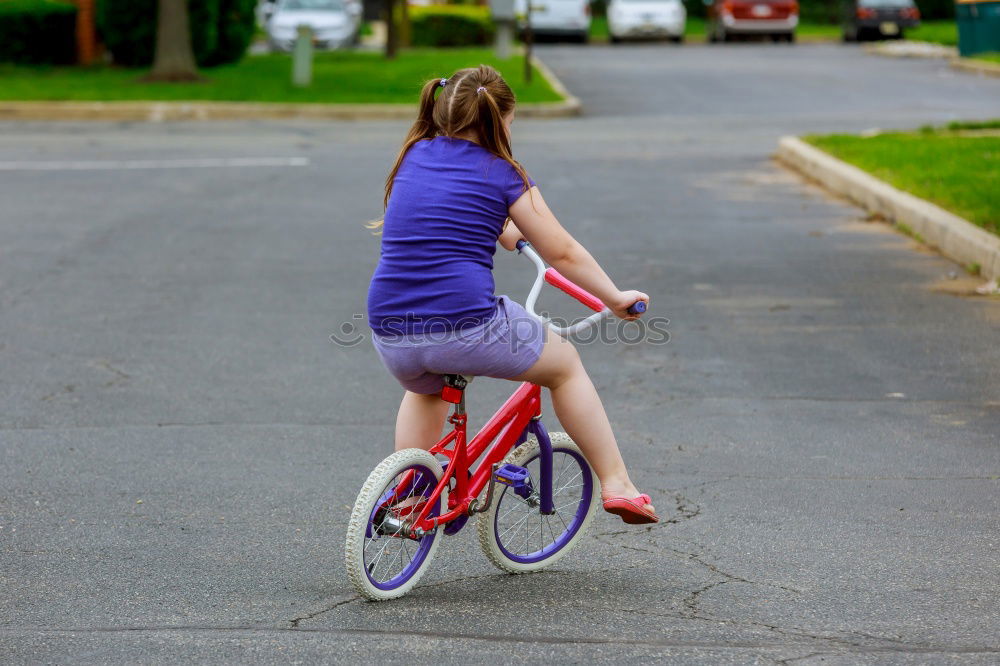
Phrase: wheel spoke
[580,473]
[393,556]
[515,525]
[568,482]
[378,557]
[565,526]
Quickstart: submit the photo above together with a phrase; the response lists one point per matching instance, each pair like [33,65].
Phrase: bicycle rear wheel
[515,535]
[382,562]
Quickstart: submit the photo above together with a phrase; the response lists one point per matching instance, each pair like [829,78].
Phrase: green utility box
[978,26]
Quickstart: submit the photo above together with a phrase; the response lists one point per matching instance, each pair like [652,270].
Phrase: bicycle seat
[458,381]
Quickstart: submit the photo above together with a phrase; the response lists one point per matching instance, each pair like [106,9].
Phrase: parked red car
[774,18]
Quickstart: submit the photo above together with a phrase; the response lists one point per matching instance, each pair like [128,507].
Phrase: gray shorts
[504,347]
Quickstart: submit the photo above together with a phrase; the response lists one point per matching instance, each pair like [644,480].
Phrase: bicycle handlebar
[557,280]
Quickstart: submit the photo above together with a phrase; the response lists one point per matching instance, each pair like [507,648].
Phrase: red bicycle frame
[505,430]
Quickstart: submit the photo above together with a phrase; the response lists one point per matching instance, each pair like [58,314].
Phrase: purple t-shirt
[448,205]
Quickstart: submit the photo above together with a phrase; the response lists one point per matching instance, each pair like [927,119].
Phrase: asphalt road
[180,442]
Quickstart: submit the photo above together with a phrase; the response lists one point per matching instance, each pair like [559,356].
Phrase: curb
[570,106]
[977,66]
[910,49]
[955,237]
[207,110]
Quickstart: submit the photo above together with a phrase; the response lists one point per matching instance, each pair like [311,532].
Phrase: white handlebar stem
[536,288]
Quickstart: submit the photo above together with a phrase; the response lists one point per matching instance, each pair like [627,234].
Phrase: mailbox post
[504,18]
[302,56]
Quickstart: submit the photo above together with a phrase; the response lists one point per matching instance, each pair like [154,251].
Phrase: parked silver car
[646,18]
[334,23]
[567,19]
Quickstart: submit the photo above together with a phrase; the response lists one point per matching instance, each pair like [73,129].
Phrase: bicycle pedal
[515,477]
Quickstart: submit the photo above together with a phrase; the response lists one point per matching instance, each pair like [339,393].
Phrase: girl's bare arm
[533,221]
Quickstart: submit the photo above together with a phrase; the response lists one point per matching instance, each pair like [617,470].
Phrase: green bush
[128,30]
[203,16]
[694,8]
[220,30]
[37,32]
[236,27]
[450,25]
[936,9]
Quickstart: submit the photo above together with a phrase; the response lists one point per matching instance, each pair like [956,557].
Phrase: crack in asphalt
[901,648]
[792,660]
[294,622]
[687,510]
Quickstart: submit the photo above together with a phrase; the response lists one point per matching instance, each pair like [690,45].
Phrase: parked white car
[556,18]
[646,18]
[334,23]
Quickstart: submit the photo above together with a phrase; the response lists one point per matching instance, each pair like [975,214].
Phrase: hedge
[37,32]
[236,28]
[220,30]
[450,25]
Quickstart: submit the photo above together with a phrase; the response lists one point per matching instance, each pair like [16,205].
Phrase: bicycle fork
[517,478]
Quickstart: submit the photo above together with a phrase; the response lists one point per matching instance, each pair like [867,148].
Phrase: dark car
[878,19]
[728,19]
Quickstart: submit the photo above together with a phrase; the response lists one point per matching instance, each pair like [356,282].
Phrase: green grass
[955,172]
[988,57]
[974,124]
[599,29]
[815,32]
[938,32]
[694,30]
[338,77]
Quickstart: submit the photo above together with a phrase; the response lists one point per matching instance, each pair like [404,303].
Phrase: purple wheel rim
[426,476]
[571,528]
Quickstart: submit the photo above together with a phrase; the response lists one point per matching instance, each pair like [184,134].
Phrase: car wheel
[900,34]
[790,37]
[677,39]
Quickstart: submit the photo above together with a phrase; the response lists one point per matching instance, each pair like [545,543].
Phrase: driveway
[180,442]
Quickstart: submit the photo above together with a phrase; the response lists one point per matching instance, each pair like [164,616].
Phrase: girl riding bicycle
[453,193]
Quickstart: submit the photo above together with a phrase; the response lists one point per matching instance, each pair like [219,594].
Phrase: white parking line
[202,163]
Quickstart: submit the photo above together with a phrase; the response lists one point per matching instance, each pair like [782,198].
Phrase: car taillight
[586,9]
[864,13]
[911,12]
[727,7]
[794,9]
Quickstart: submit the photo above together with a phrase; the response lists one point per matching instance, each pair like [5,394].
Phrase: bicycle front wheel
[515,535]
[382,562]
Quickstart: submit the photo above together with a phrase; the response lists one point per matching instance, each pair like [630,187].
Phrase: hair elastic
[480,90]
[443,82]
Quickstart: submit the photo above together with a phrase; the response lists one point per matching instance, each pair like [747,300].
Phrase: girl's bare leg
[581,412]
[420,421]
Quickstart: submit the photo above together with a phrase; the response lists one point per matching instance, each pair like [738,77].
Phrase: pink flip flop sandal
[632,511]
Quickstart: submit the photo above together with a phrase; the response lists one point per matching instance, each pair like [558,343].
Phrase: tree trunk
[405,33]
[86,33]
[391,29]
[174,59]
